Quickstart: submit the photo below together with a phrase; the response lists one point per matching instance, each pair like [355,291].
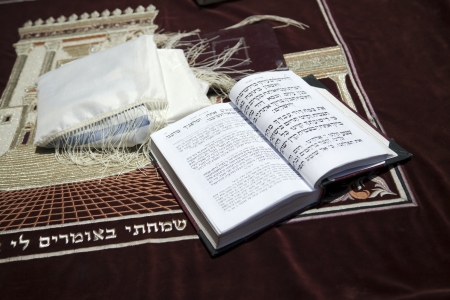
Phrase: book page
[230,170]
[312,134]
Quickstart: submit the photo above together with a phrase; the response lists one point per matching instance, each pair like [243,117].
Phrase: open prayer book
[239,167]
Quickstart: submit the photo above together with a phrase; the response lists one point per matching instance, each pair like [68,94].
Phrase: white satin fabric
[185,92]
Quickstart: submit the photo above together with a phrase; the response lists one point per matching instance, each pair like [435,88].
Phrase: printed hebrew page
[229,169]
[312,134]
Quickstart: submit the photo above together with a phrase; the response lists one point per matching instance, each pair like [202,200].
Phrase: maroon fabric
[254,38]
[400,50]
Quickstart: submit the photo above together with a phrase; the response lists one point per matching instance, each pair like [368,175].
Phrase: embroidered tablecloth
[66,234]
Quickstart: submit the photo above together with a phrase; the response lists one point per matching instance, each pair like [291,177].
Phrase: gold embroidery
[322,63]
[42,47]
[78,50]
[140,19]
[29,167]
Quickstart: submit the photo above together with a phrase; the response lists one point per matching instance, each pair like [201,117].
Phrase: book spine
[177,197]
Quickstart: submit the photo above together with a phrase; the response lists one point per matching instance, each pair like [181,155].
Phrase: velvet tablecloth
[399,55]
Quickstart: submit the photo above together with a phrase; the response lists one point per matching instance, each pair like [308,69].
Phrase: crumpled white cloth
[121,91]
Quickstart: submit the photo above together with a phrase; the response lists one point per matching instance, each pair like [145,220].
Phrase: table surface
[398,55]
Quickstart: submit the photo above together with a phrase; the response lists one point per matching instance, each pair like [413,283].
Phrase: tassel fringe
[212,69]
[107,142]
[171,40]
[257,18]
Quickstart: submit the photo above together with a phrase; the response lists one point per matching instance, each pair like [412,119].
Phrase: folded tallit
[115,98]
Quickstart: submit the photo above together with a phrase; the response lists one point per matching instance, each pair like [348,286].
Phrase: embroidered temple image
[43,46]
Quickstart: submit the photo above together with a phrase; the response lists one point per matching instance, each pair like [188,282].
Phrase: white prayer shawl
[98,86]
[116,97]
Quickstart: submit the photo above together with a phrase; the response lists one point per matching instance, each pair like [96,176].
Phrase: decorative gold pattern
[22,51]
[140,18]
[78,50]
[43,47]
[28,167]
[90,200]
[322,63]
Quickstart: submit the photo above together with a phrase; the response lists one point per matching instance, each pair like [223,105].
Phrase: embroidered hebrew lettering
[180,225]
[155,226]
[76,238]
[111,232]
[65,236]
[98,234]
[26,242]
[164,228]
[137,227]
[44,242]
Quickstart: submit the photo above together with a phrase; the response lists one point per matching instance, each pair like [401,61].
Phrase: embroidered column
[327,62]
[22,51]
[339,79]
[51,47]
